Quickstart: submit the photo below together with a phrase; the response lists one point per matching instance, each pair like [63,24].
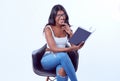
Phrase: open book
[79,36]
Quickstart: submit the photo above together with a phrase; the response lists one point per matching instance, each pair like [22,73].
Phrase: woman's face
[60,17]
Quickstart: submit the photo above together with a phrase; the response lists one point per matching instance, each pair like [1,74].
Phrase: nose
[61,17]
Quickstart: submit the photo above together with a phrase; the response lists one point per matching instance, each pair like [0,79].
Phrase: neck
[58,26]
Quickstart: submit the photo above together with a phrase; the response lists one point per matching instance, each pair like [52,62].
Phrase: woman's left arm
[68,30]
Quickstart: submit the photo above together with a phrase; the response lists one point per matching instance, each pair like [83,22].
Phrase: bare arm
[52,45]
[67,29]
[70,33]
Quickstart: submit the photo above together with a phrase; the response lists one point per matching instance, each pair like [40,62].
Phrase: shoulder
[48,29]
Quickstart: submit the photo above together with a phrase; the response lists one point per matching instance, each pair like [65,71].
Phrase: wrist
[70,34]
[71,48]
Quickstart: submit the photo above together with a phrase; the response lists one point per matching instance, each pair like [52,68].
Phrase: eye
[59,15]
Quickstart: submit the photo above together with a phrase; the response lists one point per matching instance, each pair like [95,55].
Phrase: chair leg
[48,79]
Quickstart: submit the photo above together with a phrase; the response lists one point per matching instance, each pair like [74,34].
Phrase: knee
[62,72]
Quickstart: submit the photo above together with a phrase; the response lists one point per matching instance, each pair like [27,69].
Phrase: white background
[22,23]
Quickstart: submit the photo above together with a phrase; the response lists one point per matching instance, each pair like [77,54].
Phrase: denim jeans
[59,60]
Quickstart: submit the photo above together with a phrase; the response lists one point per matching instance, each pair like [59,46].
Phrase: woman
[57,32]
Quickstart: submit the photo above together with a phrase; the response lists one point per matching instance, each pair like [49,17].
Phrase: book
[79,36]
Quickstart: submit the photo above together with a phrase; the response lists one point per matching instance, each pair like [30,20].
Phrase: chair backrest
[74,56]
[37,67]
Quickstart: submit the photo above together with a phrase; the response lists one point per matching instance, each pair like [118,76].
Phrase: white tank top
[61,42]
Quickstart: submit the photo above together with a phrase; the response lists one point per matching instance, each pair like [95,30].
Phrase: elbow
[53,49]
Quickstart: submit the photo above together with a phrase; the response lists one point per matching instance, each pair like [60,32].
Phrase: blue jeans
[59,60]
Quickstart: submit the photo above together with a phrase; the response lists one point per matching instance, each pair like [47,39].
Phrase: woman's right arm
[52,45]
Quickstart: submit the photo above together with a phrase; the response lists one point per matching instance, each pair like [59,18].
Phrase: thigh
[62,55]
[49,61]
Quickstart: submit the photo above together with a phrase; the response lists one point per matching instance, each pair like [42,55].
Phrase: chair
[37,67]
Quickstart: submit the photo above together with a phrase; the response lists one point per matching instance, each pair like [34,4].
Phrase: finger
[82,43]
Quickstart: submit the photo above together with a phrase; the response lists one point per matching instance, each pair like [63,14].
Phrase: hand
[66,28]
[81,44]
[47,49]
[77,47]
